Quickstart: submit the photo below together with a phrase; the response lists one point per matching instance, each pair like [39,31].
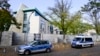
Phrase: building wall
[31,22]
[34,23]
[48,27]
[90,32]
[19,17]
[44,26]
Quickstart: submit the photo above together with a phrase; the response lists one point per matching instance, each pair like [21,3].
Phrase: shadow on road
[36,53]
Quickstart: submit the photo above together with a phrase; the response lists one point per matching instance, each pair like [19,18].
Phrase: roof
[34,9]
[37,11]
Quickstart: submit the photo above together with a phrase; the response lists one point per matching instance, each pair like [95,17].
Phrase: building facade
[32,21]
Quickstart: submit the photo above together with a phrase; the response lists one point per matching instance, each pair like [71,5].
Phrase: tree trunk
[64,39]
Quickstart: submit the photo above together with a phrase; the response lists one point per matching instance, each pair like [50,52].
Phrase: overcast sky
[42,5]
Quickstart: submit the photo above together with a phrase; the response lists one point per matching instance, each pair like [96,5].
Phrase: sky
[42,5]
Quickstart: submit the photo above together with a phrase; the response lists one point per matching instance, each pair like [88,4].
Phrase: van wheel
[80,46]
[48,50]
[27,52]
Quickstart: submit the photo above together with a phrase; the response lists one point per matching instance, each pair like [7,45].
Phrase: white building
[90,32]
[32,21]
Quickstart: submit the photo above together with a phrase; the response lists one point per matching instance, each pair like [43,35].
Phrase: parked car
[34,46]
[82,41]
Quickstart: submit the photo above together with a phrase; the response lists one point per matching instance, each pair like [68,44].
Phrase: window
[24,31]
[24,25]
[36,43]
[51,29]
[61,32]
[88,39]
[36,14]
[25,16]
[82,40]
[42,27]
[77,39]
[44,42]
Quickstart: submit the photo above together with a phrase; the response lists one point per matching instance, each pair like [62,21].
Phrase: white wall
[45,26]
[34,24]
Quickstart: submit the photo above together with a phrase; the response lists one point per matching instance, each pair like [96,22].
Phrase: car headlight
[77,43]
[19,48]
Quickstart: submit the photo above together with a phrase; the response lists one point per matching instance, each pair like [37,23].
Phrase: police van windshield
[77,39]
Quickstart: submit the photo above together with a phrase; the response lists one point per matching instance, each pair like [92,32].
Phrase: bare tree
[59,15]
[92,8]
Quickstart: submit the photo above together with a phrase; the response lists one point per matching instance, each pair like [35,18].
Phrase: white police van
[82,41]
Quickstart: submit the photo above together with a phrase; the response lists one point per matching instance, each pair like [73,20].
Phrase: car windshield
[77,39]
[30,43]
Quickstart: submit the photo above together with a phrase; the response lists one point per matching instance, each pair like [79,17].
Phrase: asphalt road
[90,51]
[94,51]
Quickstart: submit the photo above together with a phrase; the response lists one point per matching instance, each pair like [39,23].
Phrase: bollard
[4,50]
[15,49]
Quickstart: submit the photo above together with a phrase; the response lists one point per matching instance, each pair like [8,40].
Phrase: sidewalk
[97,42]
[61,46]
[7,51]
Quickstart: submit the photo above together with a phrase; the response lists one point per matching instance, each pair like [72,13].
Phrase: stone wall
[12,38]
[6,39]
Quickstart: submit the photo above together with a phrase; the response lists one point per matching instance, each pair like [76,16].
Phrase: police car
[34,46]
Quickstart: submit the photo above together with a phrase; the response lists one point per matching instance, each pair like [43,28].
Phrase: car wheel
[72,46]
[91,45]
[48,50]
[27,52]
